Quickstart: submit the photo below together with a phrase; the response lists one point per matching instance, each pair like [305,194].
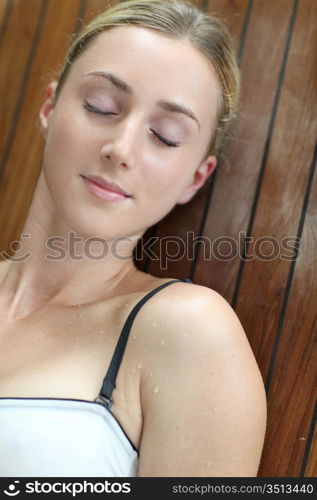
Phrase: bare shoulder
[195,312]
[193,323]
[202,393]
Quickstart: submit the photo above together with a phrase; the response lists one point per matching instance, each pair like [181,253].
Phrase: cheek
[66,135]
[67,146]
[168,176]
[161,186]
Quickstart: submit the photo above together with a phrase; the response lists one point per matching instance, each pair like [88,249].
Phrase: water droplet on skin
[139,366]
[216,408]
[209,464]
[163,342]
[154,323]
[169,466]
[233,353]
[101,331]
[118,305]
[134,337]
[156,389]
[133,370]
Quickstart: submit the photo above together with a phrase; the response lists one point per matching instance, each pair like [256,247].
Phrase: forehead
[152,63]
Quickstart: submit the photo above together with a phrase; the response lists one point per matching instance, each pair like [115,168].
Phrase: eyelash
[92,109]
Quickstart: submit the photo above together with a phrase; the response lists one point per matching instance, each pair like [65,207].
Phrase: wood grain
[5,8]
[278,214]
[27,146]
[311,467]
[294,384]
[16,46]
[282,191]
[238,174]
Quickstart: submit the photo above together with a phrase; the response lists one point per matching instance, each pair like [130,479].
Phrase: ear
[201,174]
[47,107]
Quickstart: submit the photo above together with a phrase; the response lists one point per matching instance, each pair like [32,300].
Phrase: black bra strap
[109,382]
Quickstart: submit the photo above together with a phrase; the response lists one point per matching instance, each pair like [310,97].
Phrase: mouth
[103,189]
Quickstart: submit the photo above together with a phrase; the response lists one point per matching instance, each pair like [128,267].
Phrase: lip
[104,190]
[109,186]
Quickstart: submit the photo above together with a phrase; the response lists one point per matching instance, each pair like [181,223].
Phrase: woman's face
[116,118]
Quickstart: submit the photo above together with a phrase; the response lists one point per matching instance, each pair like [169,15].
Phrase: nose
[119,147]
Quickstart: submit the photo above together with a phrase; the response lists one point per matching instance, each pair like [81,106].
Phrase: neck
[54,264]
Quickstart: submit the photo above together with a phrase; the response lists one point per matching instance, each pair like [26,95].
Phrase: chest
[53,346]
[66,354]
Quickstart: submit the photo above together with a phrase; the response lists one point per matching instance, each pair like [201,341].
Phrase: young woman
[107,370]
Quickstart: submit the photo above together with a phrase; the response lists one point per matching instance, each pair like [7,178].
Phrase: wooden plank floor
[251,233]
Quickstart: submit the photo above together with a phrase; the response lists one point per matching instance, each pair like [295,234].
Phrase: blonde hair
[179,19]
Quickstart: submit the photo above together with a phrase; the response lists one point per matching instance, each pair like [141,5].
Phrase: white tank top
[61,437]
[69,437]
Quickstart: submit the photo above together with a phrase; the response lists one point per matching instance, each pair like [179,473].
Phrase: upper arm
[202,394]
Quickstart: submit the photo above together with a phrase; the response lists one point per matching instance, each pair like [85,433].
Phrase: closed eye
[89,107]
[92,109]
[169,143]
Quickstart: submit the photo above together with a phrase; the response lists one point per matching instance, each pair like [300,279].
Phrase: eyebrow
[124,87]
